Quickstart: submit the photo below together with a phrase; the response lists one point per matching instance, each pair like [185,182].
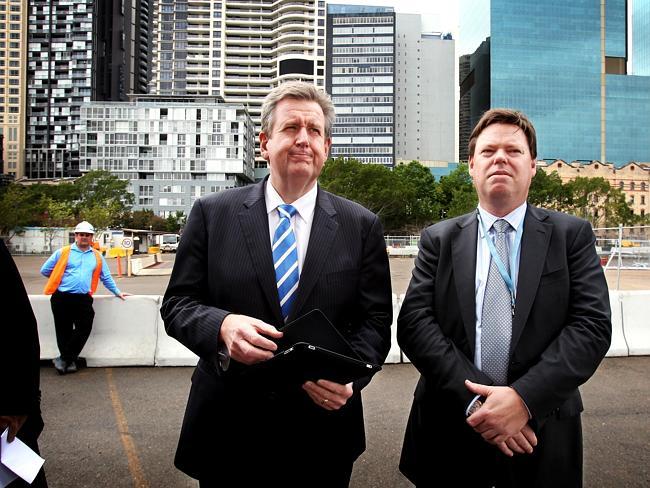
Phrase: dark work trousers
[73,321]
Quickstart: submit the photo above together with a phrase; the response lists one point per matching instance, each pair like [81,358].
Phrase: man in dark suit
[235,283]
[507,313]
[20,402]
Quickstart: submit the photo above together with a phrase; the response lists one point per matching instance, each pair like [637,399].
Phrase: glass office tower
[588,96]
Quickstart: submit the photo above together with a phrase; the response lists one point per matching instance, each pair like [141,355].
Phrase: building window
[621,185]
[632,186]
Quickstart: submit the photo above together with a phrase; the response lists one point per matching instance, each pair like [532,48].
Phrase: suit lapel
[255,227]
[321,238]
[534,247]
[463,254]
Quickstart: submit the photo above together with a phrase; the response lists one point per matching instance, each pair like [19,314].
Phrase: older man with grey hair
[251,260]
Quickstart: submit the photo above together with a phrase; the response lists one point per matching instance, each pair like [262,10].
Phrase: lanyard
[497,260]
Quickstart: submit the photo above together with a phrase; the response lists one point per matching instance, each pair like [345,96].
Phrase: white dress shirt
[300,222]
[515,219]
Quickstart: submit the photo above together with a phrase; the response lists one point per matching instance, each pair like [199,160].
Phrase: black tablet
[306,362]
[315,328]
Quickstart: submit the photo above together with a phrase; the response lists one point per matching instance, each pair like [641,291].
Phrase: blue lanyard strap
[497,260]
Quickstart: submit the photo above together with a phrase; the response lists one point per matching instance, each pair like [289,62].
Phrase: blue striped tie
[285,259]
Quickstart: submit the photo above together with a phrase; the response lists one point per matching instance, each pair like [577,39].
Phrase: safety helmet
[84,227]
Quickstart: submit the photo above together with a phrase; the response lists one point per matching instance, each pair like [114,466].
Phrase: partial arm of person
[48,266]
[20,383]
[442,364]
[371,339]
[108,281]
[186,314]
[573,357]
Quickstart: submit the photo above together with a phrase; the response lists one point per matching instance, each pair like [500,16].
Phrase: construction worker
[74,272]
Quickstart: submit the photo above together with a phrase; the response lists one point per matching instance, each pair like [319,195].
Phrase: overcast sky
[437,15]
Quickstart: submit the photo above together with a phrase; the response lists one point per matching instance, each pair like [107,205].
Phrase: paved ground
[155,285]
[118,427]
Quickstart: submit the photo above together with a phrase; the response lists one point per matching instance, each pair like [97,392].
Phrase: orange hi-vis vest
[57,273]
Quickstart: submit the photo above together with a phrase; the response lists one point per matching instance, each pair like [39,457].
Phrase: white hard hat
[84,227]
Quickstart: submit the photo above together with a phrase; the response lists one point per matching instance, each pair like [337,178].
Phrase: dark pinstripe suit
[224,265]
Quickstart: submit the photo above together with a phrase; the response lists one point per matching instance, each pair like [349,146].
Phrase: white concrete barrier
[138,264]
[46,332]
[394,355]
[124,332]
[636,321]
[170,352]
[402,251]
[619,344]
[132,333]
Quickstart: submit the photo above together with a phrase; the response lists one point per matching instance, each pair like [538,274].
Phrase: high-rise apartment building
[425,92]
[361,81]
[13,48]
[79,51]
[171,149]
[580,70]
[239,49]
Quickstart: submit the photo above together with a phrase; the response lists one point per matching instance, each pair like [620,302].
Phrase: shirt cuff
[224,357]
[470,405]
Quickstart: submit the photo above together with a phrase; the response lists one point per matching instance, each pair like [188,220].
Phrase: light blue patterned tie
[496,319]
[285,259]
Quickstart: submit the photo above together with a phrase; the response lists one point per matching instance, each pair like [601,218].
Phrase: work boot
[60,365]
[71,367]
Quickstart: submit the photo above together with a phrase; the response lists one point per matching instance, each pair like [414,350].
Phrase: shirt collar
[304,205]
[514,218]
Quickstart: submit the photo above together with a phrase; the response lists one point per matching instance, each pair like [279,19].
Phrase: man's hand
[14,422]
[244,338]
[327,394]
[520,443]
[502,418]
[122,296]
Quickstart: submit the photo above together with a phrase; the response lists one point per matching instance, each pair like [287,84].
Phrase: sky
[437,15]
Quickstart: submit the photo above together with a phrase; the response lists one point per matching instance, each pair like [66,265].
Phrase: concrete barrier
[138,264]
[394,355]
[619,344]
[402,251]
[636,321]
[132,333]
[124,332]
[170,352]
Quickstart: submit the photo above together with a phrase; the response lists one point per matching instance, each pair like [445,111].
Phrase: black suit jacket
[560,332]
[20,352]
[224,265]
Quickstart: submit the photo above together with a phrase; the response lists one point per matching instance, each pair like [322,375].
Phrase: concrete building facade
[424,93]
[13,55]
[361,81]
[238,49]
[78,51]
[171,149]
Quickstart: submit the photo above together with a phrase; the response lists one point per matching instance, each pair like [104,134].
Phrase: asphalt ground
[118,427]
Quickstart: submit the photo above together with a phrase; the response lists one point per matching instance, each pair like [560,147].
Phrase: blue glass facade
[641,36]
[545,60]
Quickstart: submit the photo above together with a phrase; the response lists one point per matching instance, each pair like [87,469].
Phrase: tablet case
[311,349]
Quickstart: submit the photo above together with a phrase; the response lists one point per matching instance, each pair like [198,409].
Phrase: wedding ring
[324,401]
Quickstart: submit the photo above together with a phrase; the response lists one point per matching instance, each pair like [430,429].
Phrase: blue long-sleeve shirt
[79,271]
